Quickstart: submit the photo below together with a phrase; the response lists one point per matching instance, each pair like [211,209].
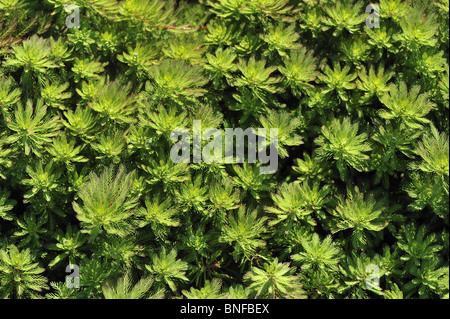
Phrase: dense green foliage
[86,116]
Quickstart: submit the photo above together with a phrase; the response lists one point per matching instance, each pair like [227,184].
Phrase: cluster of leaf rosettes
[86,178]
